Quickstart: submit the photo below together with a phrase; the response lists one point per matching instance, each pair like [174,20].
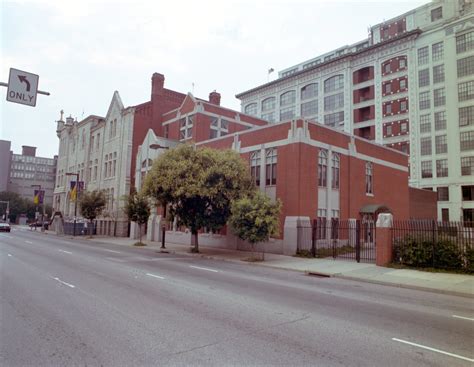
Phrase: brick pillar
[383,238]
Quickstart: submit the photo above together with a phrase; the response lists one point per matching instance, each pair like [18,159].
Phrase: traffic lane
[398,311]
[193,286]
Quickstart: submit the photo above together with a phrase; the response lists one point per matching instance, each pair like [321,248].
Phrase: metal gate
[337,239]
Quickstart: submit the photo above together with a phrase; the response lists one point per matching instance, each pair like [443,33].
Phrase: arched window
[309,91]
[369,188]
[288,98]
[268,104]
[334,83]
[335,171]
[251,109]
[322,168]
[255,167]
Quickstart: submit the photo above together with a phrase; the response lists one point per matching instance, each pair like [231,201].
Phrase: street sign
[22,87]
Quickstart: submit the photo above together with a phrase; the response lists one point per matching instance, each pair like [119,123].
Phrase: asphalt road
[70,302]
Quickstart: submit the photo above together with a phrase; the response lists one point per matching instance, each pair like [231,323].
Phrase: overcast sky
[85,50]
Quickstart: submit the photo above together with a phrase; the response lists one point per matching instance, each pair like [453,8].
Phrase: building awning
[374,208]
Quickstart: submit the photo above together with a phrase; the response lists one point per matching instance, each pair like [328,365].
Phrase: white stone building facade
[99,149]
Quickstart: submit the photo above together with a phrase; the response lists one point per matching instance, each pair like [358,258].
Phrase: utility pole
[40,201]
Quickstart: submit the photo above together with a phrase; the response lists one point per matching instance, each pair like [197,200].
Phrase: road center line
[69,285]
[154,276]
[197,267]
[434,350]
[115,252]
[462,317]
[29,242]
[66,252]
[10,255]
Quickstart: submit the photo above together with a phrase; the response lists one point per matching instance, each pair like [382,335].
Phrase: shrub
[447,255]
[413,252]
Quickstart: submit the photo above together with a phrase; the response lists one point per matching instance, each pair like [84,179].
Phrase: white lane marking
[60,281]
[29,242]
[66,252]
[69,243]
[10,255]
[434,350]
[154,276]
[197,267]
[462,317]
[115,252]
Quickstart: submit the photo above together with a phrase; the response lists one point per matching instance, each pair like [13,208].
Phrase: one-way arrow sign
[22,87]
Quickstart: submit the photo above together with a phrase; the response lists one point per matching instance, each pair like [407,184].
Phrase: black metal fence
[337,239]
[433,244]
[81,229]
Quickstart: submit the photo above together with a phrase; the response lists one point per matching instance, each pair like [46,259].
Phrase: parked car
[4,227]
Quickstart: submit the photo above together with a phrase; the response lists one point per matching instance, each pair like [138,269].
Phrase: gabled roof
[115,100]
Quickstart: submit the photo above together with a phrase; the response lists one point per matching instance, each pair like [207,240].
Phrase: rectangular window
[389,130]
[465,66]
[213,134]
[467,193]
[403,84]
[388,108]
[466,91]
[334,118]
[271,166]
[287,113]
[436,14]
[440,120]
[441,144]
[167,131]
[388,88]
[438,74]
[445,214]
[423,55]
[403,106]
[335,171]
[424,101]
[369,178]
[424,77]
[466,116]
[465,42]
[437,51]
[387,67]
[402,63]
[442,168]
[334,102]
[426,169]
[467,166]
[404,127]
[309,108]
[439,97]
[270,117]
[255,167]
[466,140]
[322,168]
[425,146]
[425,123]
[443,193]
[98,141]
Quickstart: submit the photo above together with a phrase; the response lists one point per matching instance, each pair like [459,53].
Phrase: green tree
[91,204]
[17,204]
[255,218]
[199,185]
[137,210]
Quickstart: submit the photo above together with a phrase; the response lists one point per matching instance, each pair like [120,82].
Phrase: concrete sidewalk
[454,284]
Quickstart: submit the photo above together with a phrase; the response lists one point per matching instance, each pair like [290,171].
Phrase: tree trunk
[194,241]
[139,233]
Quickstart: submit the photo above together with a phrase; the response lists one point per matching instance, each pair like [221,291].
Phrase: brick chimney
[215,98]
[157,84]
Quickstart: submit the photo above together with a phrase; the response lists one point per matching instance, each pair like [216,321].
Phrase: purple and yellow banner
[39,197]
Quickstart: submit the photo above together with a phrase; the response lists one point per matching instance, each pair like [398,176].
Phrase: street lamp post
[75,201]
[43,214]
[163,226]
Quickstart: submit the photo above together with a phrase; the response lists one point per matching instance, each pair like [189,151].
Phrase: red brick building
[316,170]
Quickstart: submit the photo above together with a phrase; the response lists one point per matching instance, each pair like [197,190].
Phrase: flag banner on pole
[73,191]
[39,197]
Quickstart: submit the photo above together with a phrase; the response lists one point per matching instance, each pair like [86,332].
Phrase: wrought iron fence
[433,244]
[337,239]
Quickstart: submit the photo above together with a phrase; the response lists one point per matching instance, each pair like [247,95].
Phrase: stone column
[383,239]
